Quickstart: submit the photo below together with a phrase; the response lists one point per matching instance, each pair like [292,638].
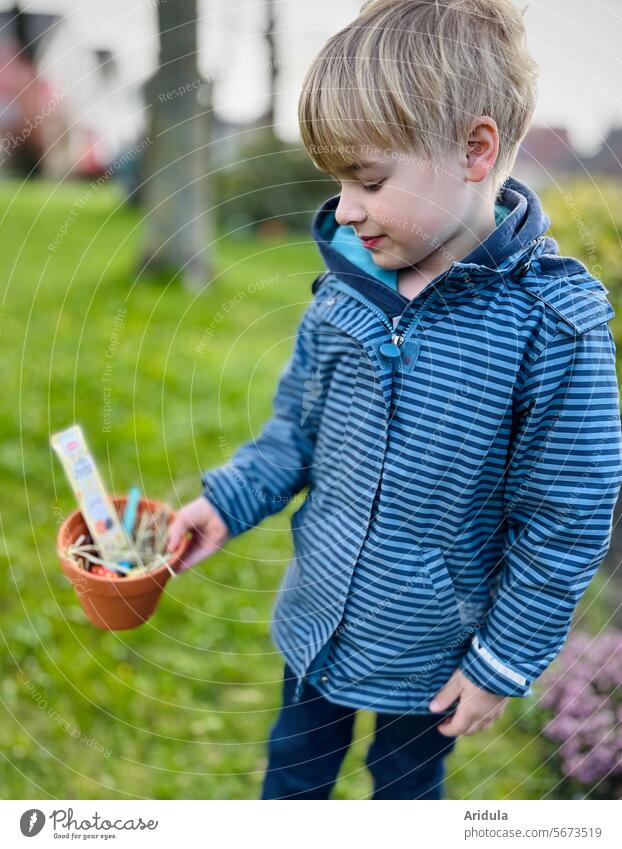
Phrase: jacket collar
[514,241]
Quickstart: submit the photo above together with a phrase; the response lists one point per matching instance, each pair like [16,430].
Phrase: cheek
[393,215]
[423,210]
[427,217]
[432,218]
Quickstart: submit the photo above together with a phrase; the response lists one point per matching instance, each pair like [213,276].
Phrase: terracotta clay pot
[115,603]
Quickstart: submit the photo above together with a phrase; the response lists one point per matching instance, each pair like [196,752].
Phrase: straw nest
[146,552]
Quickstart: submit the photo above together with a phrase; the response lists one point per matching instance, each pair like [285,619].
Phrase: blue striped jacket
[461,456]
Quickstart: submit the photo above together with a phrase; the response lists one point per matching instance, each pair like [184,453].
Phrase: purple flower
[583,689]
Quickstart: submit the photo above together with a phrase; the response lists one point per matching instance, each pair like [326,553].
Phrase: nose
[349,210]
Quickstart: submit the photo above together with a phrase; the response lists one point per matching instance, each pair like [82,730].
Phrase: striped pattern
[460,497]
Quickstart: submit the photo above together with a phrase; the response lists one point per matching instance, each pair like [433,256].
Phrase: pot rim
[144,580]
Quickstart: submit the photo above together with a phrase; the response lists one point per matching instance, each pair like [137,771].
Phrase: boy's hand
[209,532]
[476,710]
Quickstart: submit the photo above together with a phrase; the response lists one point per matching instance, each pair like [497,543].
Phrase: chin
[387,261]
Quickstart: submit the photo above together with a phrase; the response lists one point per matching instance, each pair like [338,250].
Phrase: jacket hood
[521,222]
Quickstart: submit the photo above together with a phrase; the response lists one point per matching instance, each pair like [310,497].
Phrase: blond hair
[412,74]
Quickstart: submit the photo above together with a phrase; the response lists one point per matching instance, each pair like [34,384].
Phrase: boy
[451,403]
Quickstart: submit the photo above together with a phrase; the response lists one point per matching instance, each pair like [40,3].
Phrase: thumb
[447,695]
[176,531]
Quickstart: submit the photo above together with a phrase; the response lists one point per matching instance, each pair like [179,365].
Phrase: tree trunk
[177,219]
[272,62]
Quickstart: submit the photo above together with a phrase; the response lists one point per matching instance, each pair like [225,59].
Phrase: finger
[446,696]
[195,554]
[475,728]
[480,724]
[488,717]
[455,725]
[177,529]
[190,559]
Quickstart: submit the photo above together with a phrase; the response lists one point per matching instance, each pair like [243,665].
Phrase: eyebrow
[360,166]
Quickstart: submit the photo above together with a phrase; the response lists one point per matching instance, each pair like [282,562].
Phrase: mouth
[370,241]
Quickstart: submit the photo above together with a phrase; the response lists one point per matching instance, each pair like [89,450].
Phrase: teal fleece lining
[348,243]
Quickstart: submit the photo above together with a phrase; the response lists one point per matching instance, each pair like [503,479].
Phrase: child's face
[415,206]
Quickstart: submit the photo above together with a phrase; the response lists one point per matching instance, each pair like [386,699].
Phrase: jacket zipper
[341,286]
[398,338]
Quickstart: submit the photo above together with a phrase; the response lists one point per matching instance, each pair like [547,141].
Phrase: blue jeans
[310,738]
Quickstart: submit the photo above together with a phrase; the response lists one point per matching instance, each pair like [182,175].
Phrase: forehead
[368,158]
[362,161]
[360,166]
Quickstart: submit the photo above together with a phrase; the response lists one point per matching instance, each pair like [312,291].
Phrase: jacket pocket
[436,569]
[403,618]
[433,597]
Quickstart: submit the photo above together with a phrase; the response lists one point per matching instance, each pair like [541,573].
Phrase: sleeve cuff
[486,670]
[239,507]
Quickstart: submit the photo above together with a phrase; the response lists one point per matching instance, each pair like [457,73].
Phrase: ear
[482,149]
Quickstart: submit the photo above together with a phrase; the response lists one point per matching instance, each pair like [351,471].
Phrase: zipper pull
[391,350]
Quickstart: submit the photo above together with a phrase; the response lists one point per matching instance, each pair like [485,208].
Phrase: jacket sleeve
[562,482]
[264,474]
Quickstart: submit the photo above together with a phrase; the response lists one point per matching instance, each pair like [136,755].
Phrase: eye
[373,187]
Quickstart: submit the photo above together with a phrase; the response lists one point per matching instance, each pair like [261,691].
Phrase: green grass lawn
[181,707]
